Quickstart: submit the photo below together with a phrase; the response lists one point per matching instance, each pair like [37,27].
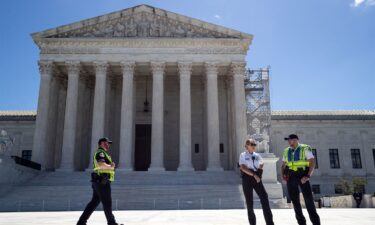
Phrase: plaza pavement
[189,217]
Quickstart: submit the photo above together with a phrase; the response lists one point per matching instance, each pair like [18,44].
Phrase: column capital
[127,67]
[158,67]
[185,68]
[238,68]
[100,67]
[211,68]
[73,67]
[46,67]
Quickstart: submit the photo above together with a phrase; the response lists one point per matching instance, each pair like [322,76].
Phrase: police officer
[297,168]
[358,198]
[251,165]
[101,178]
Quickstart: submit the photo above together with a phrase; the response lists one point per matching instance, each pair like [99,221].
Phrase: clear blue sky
[321,52]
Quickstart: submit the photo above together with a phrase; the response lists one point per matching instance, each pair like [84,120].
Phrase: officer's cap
[104,139]
[291,136]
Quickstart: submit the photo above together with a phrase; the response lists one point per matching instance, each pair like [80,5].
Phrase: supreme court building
[167,89]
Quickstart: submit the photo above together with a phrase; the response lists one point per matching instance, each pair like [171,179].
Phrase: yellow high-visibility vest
[296,159]
[99,171]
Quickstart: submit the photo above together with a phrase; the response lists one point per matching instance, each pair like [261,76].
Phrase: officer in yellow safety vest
[101,178]
[298,165]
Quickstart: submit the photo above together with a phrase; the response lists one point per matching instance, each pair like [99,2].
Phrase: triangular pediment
[141,21]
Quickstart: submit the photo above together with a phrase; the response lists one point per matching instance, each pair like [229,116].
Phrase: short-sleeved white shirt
[308,155]
[246,158]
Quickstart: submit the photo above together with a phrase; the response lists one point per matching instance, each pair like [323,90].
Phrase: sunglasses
[252,144]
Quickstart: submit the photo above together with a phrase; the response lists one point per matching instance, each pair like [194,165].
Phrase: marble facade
[98,74]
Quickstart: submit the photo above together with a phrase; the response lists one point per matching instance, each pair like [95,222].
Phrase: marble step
[140,178]
[51,191]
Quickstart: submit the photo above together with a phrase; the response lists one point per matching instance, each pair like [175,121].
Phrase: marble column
[157,129]
[185,164]
[41,126]
[98,117]
[238,72]
[212,103]
[127,118]
[70,121]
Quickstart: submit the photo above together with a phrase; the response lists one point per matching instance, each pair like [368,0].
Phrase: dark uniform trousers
[101,193]
[249,184]
[293,184]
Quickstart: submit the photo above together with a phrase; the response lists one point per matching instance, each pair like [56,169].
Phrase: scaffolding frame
[258,107]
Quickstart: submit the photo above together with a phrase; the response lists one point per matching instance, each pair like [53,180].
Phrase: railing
[122,204]
[27,163]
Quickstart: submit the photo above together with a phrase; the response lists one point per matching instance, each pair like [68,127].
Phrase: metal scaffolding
[258,111]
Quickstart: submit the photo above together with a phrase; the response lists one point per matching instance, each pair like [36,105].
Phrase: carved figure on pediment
[131,29]
[179,32]
[87,34]
[155,29]
[167,30]
[143,27]
[108,30]
[164,27]
[119,30]
[206,33]
[96,32]
[190,31]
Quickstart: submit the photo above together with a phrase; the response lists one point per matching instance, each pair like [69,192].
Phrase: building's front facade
[168,89]
[344,142]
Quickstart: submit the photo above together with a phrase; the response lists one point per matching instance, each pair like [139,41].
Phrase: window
[196,148]
[26,154]
[316,157]
[338,189]
[334,158]
[356,159]
[315,188]
[221,148]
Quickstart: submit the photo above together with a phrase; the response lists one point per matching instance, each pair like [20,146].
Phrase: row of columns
[127,117]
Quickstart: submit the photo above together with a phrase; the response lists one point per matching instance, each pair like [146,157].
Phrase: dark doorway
[142,157]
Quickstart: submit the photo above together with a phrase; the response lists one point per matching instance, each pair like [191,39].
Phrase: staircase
[68,191]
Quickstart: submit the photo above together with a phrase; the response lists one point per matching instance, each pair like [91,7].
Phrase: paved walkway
[189,217]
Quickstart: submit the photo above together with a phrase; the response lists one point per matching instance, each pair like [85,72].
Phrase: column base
[156,169]
[89,170]
[185,169]
[124,169]
[65,170]
[214,169]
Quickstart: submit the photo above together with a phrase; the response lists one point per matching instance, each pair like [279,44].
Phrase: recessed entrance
[142,157]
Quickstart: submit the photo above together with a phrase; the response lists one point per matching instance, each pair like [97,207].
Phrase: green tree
[359,183]
[346,186]
[356,185]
